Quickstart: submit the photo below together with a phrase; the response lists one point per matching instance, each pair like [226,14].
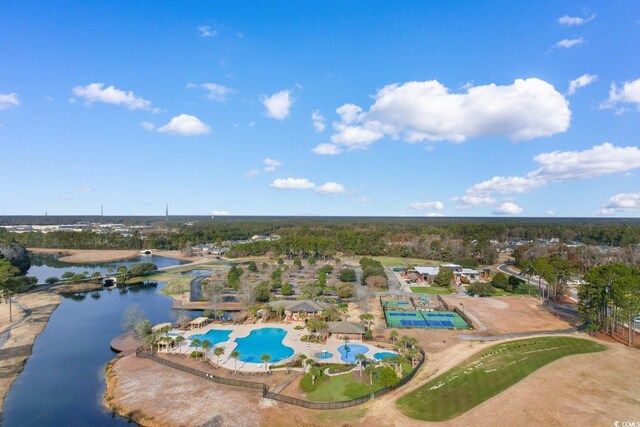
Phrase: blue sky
[421,108]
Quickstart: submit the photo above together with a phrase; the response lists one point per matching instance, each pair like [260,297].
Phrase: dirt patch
[17,348]
[86,256]
[173,398]
[504,315]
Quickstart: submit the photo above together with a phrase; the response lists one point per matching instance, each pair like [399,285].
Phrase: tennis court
[400,304]
[424,319]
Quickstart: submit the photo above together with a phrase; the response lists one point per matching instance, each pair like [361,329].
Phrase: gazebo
[342,330]
[198,322]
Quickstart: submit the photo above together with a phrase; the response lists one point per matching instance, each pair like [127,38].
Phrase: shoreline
[91,256]
[22,334]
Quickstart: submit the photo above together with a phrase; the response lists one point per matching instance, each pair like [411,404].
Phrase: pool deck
[292,339]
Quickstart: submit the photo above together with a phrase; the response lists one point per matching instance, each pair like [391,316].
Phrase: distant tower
[166,213]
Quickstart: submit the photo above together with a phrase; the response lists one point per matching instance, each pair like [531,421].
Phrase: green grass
[392,261]
[433,290]
[486,374]
[176,284]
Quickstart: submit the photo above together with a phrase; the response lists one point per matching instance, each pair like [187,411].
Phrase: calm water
[63,381]
[45,266]
[263,341]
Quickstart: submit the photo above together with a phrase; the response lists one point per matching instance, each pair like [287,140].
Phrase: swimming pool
[323,355]
[215,336]
[383,355]
[348,353]
[263,341]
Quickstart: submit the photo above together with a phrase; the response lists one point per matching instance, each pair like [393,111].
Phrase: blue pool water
[383,355]
[323,355]
[215,336]
[349,352]
[263,341]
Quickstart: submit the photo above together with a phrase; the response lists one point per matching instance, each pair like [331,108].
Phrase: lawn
[176,284]
[391,261]
[433,290]
[486,374]
[343,387]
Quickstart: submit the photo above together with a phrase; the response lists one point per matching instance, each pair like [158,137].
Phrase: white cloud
[557,166]
[207,31]
[472,200]
[251,173]
[582,81]
[185,124]
[551,213]
[624,202]
[575,20]
[85,189]
[327,149]
[629,93]
[318,121]
[271,164]
[427,206]
[508,208]
[429,111]
[349,113]
[215,92]
[434,214]
[507,185]
[278,104]
[292,184]
[147,125]
[568,43]
[220,213]
[331,188]
[96,92]
[8,100]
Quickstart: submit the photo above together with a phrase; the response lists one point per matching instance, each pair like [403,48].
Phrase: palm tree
[405,339]
[413,354]
[315,372]
[366,318]
[369,370]
[394,336]
[218,351]
[308,362]
[234,355]
[179,340]
[302,358]
[265,358]
[196,343]
[412,342]
[206,344]
[360,358]
[219,314]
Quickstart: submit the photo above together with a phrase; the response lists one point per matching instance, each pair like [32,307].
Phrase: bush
[143,268]
[252,267]
[51,280]
[514,282]
[465,280]
[196,355]
[501,281]
[286,289]
[298,328]
[480,289]
[345,292]
[368,335]
[347,275]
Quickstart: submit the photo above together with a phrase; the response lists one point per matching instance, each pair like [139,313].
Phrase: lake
[63,380]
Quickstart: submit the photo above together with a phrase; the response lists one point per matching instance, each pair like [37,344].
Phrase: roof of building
[199,320]
[431,271]
[308,305]
[346,328]
[470,271]
[159,326]
[450,265]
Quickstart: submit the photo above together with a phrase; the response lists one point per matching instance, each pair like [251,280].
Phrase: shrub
[286,289]
[501,281]
[345,292]
[298,328]
[480,289]
[368,335]
[51,280]
[196,355]
[347,275]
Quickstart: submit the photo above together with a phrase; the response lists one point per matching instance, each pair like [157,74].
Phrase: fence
[285,399]
[456,310]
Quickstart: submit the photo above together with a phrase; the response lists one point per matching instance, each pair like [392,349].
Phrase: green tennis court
[424,319]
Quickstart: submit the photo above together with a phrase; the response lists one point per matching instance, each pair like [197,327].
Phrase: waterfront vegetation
[486,374]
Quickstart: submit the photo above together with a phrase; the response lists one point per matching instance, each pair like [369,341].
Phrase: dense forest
[447,239]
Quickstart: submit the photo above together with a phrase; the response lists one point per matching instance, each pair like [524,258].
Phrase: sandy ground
[503,315]
[17,349]
[81,256]
[173,398]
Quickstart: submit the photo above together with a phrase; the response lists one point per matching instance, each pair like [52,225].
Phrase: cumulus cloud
[318,121]
[582,81]
[278,105]
[271,164]
[96,92]
[629,93]
[215,91]
[147,125]
[185,124]
[428,111]
[508,208]
[568,43]
[624,202]
[207,31]
[473,200]
[327,149]
[220,213]
[292,184]
[575,20]
[331,188]
[427,206]
[9,100]
[557,166]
